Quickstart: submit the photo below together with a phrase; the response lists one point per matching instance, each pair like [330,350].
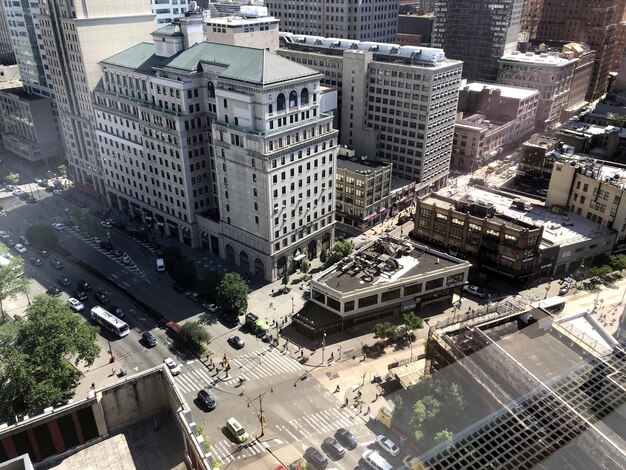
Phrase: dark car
[206,400]
[332,447]
[106,246]
[229,321]
[236,342]
[149,339]
[54,291]
[403,219]
[346,438]
[316,458]
[115,310]
[56,263]
[64,281]
[43,253]
[101,298]
[80,295]
[36,261]
[84,286]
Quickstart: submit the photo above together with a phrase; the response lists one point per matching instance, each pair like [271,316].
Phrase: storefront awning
[299,257]
[408,305]
[262,325]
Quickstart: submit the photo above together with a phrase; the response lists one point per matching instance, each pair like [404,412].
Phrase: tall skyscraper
[478,32]
[7,57]
[23,24]
[594,23]
[226,147]
[76,36]
[365,20]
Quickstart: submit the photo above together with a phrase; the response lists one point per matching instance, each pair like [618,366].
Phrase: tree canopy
[12,178]
[339,250]
[195,336]
[232,293]
[12,280]
[385,330]
[412,321]
[618,120]
[34,354]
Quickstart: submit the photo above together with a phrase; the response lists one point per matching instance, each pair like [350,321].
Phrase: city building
[70,32]
[470,228]
[29,125]
[397,104]
[343,19]
[548,73]
[416,7]
[167,11]
[489,119]
[10,74]
[593,189]
[547,392]
[581,77]
[386,276]
[260,32]
[108,425]
[478,33]
[226,147]
[509,236]
[537,156]
[362,192]
[415,30]
[597,27]
[7,56]
[603,142]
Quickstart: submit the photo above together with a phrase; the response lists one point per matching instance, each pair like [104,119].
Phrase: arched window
[211,89]
[280,102]
[304,96]
[293,99]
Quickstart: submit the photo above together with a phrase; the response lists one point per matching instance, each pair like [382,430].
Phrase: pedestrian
[93,385]
[332,356]
[368,410]
[337,389]
[112,370]
[346,402]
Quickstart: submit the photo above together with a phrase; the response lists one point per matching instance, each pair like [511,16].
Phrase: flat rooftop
[384,261]
[232,21]
[537,59]
[505,90]
[358,165]
[559,229]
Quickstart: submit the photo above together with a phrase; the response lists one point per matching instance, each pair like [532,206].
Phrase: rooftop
[545,59]
[505,91]
[384,261]
[359,165]
[171,30]
[243,64]
[235,21]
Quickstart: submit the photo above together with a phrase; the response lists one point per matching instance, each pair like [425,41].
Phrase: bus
[109,321]
[551,304]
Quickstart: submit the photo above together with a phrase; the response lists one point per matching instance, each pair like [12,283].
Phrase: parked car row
[335,447]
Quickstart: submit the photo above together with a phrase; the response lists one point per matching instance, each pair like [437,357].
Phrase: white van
[375,461]
[160,264]
[237,430]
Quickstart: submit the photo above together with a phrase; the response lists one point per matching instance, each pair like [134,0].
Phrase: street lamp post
[261,415]
[323,345]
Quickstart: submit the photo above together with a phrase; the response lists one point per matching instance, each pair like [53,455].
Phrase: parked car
[236,342]
[43,253]
[23,240]
[101,298]
[64,281]
[171,364]
[475,290]
[315,458]
[80,295]
[56,263]
[20,248]
[387,444]
[36,262]
[403,219]
[332,447]
[106,224]
[75,304]
[95,239]
[58,226]
[346,438]
[149,339]
[210,307]
[54,291]
[83,285]
[115,310]
[206,400]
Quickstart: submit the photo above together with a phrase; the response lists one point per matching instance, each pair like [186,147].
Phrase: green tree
[232,293]
[412,321]
[618,120]
[35,371]
[617,262]
[12,178]
[305,266]
[42,236]
[339,250]
[183,271]
[324,256]
[195,336]
[444,436]
[61,170]
[385,330]
[285,280]
[600,270]
[12,280]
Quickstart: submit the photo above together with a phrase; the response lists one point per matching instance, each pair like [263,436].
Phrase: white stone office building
[220,146]
[374,20]
[76,36]
[398,103]
[167,11]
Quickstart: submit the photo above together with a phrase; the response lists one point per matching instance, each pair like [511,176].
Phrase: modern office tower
[23,24]
[398,104]
[373,20]
[7,57]
[478,33]
[76,36]
[220,146]
[595,24]
[167,10]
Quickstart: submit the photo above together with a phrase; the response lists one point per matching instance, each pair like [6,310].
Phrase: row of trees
[388,331]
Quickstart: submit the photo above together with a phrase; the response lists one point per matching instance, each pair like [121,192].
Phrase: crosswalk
[250,366]
[226,452]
